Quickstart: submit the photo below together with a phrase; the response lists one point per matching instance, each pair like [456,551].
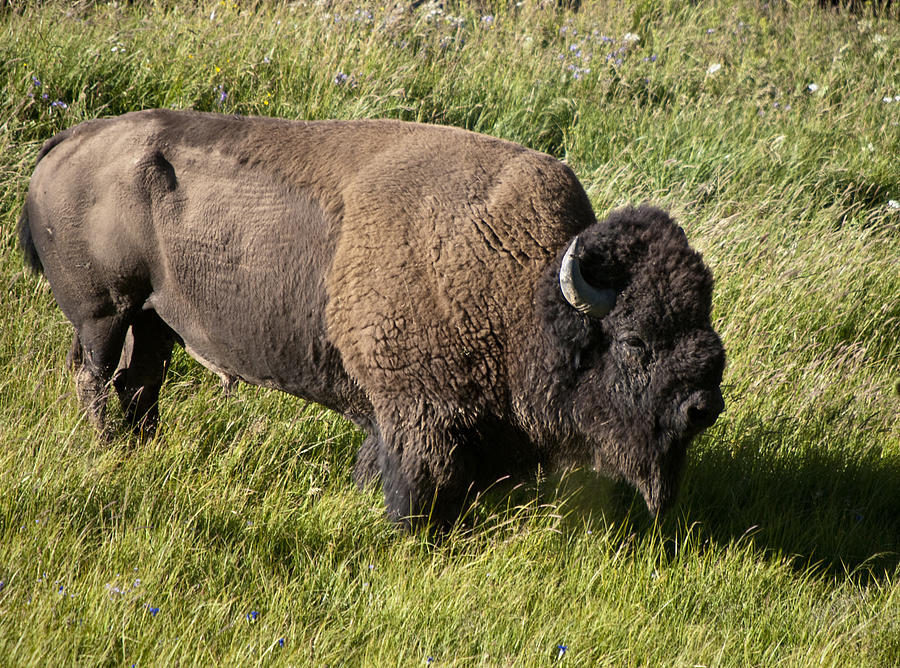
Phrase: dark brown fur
[403,275]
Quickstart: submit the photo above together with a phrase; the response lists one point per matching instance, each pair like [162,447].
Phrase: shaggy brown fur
[403,275]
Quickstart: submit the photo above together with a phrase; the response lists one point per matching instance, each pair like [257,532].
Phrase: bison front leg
[424,480]
[366,468]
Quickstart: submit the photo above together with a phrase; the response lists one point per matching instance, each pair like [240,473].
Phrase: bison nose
[701,409]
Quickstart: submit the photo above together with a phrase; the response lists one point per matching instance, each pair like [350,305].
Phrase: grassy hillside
[771,130]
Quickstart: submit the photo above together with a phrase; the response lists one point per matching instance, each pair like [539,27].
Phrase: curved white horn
[583,297]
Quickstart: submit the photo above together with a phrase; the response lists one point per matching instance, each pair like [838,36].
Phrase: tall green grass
[237,536]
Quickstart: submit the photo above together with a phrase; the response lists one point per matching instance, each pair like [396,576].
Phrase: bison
[450,293]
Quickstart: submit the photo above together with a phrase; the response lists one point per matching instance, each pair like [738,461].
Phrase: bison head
[634,366]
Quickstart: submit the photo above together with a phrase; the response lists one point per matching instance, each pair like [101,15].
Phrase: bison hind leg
[93,356]
[144,360]
[75,356]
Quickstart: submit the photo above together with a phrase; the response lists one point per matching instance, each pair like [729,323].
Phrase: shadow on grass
[828,503]
[791,492]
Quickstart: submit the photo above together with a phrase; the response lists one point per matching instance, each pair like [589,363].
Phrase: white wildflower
[713,68]
[893,204]
[813,87]
[631,38]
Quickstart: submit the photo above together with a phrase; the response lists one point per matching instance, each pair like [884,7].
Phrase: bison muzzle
[450,293]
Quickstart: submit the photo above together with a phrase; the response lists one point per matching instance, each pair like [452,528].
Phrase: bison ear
[581,295]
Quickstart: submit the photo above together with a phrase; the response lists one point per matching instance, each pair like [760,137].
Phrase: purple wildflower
[578,72]
[252,615]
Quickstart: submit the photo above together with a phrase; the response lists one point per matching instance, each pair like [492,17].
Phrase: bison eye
[636,342]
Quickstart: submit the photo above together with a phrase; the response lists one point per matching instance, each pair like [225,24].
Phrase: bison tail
[26,243]
[26,240]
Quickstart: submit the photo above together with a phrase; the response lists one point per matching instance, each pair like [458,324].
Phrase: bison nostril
[698,414]
[702,409]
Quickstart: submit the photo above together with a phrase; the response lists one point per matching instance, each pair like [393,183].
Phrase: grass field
[236,537]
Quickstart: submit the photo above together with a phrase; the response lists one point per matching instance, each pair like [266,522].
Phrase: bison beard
[450,293]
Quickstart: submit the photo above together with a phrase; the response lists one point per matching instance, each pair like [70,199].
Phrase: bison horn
[583,297]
